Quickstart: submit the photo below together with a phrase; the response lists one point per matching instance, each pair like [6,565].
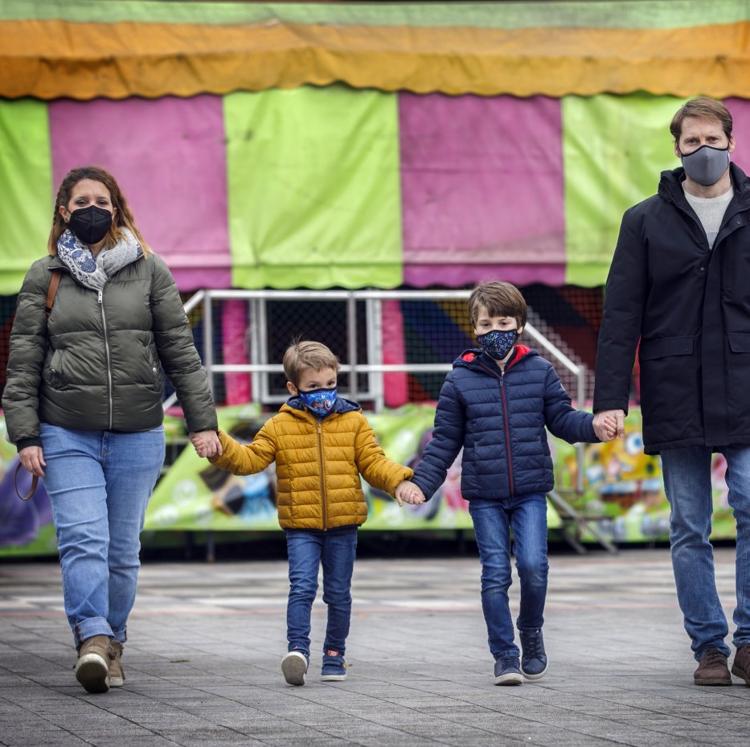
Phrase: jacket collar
[670,187]
[477,360]
[295,406]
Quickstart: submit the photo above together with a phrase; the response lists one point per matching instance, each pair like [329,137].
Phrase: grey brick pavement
[202,663]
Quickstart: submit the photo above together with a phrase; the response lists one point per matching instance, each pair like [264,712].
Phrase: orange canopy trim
[49,59]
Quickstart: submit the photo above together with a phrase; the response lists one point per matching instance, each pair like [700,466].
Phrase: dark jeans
[527,516]
[336,549]
[687,481]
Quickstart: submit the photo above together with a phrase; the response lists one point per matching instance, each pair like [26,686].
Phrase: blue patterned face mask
[320,402]
[498,343]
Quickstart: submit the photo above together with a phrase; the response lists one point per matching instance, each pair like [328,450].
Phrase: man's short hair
[705,107]
[304,354]
[500,299]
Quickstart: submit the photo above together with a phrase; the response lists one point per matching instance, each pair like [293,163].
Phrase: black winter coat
[499,419]
[95,364]
[690,307]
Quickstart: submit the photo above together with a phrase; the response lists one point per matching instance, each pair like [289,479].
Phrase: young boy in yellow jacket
[321,444]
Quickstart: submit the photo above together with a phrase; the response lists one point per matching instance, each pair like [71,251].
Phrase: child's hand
[206,443]
[408,492]
[605,426]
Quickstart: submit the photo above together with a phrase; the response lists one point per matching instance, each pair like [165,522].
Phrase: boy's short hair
[500,299]
[304,354]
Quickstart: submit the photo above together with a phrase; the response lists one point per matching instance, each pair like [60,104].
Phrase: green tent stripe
[613,150]
[26,189]
[581,13]
[314,195]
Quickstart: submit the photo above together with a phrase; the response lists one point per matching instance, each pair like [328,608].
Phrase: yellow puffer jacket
[318,464]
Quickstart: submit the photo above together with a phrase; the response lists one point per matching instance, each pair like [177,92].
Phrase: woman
[83,402]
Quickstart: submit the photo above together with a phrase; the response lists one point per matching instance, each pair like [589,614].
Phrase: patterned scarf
[95,272]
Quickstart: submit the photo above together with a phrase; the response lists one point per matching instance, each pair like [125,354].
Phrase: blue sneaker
[507,671]
[294,667]
[533,658]
[334,667]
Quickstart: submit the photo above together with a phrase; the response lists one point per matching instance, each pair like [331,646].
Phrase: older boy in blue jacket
[495,404]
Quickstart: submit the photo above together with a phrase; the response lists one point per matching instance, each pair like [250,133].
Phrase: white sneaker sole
[513,678]
[294,667]
[93,673]
[332,677]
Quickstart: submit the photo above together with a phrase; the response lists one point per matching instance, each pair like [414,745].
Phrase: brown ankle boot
[92,668]
[116,672]
[741,666]
[712,669]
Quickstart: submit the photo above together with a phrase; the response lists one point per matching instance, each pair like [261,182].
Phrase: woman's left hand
[206,443]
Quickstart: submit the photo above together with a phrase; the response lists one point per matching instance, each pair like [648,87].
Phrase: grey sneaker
[92,667]
[294,667]
[507,671]
[533,656]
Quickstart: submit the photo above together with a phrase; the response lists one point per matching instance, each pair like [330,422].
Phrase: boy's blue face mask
[498,343]
[320,402]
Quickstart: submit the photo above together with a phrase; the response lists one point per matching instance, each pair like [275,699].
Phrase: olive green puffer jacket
[95,363]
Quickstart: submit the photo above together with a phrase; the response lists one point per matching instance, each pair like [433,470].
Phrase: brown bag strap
[34,482]
[52,290]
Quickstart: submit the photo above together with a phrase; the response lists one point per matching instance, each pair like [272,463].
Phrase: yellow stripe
[50,59]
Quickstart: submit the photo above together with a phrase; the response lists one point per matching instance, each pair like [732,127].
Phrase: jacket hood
[670,184]
[477,360]
[297,407]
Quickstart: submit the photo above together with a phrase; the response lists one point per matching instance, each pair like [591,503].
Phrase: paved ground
[202,663]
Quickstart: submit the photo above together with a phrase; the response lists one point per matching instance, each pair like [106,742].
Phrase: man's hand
[609,424]
[32,459]
[206,443]
[408,492]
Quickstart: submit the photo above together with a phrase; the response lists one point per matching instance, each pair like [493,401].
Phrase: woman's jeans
[493,520]
[687,481]
[99,483]
[336,549]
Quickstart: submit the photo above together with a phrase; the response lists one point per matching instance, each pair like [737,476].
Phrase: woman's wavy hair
[123,217]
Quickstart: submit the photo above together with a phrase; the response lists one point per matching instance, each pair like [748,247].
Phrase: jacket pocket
[739,342]
[53,374]
[664,347]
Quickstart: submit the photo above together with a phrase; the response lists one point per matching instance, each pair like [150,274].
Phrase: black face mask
[90,224]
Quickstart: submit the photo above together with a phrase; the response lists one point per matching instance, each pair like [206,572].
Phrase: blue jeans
[687,481]
[526,515]
[336,550]
[99,483]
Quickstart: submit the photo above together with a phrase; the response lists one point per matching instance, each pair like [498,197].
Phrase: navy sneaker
[507,671]
[334,667]
[294,667]
[533,657]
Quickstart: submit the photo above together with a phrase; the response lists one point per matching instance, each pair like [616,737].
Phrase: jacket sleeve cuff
[24,442]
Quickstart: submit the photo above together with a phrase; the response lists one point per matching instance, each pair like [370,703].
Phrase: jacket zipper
[507,436]
[322,476]
[100,299]
[506,427]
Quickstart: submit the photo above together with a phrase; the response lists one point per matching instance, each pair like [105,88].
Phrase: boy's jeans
[687,481]
[493,520]
[306,549]
[99,483]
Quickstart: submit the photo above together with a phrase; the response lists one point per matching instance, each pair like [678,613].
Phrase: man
[680,282]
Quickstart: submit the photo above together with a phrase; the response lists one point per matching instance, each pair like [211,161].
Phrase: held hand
[32,459]
[609,424]
[206,443]
[408,492]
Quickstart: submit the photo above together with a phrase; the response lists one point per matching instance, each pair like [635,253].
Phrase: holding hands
[609,424]
[408,492]
[206,443]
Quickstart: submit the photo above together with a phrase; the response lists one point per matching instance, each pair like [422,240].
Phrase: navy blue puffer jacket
[499,419]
